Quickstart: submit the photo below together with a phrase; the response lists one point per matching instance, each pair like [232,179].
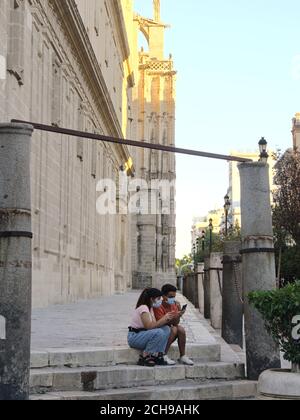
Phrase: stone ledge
[115,377]
[182,392]
[110,356]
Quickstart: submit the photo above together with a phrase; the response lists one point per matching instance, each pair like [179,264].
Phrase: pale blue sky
[236,83]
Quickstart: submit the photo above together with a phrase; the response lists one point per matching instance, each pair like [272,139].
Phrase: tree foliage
[278,308]
[286,212]
[183,265]
[286,216]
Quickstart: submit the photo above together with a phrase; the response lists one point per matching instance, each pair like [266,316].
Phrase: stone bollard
[232,298]
[258,268]
[206,288]
[191,289]
[196,294]
[200,279]
[216,277]
[188,287]
[184,285]
[15,260]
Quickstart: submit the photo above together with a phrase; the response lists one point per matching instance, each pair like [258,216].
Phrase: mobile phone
[183,309]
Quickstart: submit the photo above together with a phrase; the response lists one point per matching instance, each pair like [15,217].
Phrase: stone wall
[76,64]
[59,72]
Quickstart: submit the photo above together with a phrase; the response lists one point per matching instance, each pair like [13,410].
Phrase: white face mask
[157,304]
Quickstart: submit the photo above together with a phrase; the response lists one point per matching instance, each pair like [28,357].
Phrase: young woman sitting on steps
[147,334]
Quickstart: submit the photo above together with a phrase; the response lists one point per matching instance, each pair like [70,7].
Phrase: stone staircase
[112,374]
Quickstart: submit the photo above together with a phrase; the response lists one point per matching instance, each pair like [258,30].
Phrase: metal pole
[141,144]
[15,260]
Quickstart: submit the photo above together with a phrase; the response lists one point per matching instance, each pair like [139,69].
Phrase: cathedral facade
[77,64]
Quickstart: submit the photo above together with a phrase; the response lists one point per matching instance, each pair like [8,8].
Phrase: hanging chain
[219,281]
[236,267]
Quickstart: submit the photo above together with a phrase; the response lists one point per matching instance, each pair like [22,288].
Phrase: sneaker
[169,361]
[160,360]
[186,361]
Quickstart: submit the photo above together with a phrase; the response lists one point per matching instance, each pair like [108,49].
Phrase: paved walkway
[103,322]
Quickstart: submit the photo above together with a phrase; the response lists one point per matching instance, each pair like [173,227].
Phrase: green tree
[183,265]
[286,216]
[286,211]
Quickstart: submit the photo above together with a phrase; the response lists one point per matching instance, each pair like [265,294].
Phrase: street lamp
[211,228]
[263,146]
[226,208]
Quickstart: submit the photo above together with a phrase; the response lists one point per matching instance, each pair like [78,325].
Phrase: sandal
[147,361]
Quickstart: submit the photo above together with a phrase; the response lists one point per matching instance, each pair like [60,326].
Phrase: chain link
[219,281]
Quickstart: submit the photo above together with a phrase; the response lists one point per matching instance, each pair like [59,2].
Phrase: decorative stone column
[216,280]
[232,302]
[258,263]
[15,260]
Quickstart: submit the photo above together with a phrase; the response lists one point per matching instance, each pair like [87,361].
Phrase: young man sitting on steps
[170,305]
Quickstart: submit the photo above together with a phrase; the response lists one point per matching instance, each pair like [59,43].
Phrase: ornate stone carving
[156,6]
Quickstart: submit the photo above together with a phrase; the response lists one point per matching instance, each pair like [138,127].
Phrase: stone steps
[110,356]
[222,390]
[117,377]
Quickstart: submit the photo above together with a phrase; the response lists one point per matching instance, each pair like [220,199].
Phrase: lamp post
[203,240]
[198,245]
[211,228]
[226,209]
[263,146]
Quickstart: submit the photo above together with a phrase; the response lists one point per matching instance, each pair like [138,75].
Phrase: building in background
[76,64]
[201,225]
[154,104]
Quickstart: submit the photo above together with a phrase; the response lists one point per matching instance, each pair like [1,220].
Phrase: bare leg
[172,338]
[181,340]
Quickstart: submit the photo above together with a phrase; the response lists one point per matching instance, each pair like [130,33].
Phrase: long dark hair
[146,296]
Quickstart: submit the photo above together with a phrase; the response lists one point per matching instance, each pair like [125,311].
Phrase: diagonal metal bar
[133,143]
